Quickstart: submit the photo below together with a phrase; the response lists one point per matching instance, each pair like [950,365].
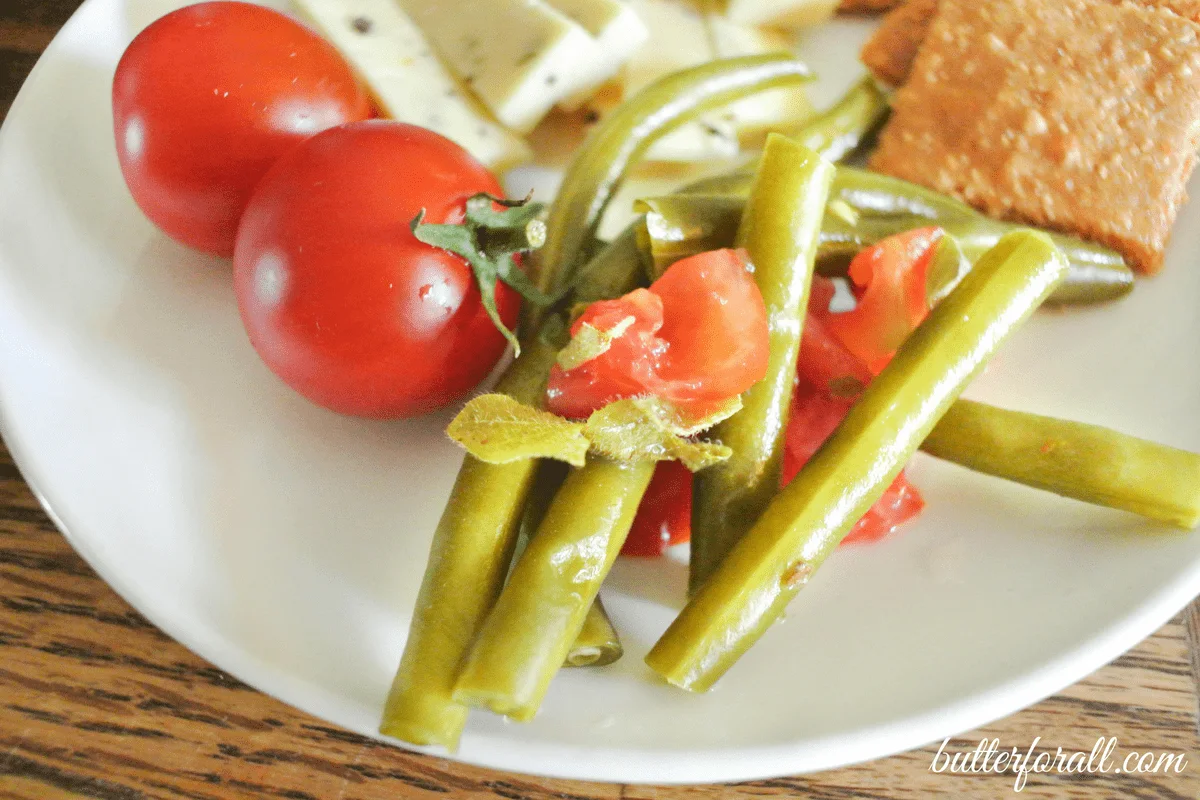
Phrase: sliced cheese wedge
[519,56]
[776,110]
[679,39]
[408,81]
[617,33]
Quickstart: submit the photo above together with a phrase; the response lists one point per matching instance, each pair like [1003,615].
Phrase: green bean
[1097,273]
[674,227]
[838,132]
[683,224]
[472,548]
[613,271]
[622,138]
[779,231]
[597,643]
[530,630]
[475,538]
[1086,462]
[809,517]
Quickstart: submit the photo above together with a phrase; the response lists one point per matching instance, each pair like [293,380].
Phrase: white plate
[285,544]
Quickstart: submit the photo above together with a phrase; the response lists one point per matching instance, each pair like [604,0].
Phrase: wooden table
[96,702]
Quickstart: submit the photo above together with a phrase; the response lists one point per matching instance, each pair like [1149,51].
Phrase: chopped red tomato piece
[814,417]
[665,516]
[824,361]
[839,355]
[900,503]
[890,278]
[698,337]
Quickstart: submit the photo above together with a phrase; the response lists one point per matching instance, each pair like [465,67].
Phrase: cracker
[1075,115]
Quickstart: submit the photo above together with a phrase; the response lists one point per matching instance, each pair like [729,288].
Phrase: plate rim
[611,764]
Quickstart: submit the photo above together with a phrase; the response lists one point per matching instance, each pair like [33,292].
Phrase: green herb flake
[497,429]
[591,343]
[625,431]
[671,417]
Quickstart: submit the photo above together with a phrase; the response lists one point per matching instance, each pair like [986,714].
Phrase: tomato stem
[488,238]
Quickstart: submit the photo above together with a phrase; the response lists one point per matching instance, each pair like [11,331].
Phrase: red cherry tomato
[892,302]
[340,299]
[664,517]
[699,337]
[208,97]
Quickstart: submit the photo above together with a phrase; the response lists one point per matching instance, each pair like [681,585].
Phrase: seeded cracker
[890,51]
[1075,115]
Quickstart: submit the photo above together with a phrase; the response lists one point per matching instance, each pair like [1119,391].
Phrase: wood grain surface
[96,702]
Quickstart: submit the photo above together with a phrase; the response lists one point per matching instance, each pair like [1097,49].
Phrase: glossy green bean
[612,272]
[779,231]
[838,131]
[809,517]
[1089,463]
[475,538]
[597,643]
[673,227]
[683,224]
[600,165]
[472,548]
[529,632]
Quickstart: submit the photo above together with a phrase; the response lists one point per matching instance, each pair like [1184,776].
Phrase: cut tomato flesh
[699,337]
[664,517]
[890,280]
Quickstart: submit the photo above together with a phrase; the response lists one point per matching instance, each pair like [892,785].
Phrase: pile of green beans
[779,231]
[808,519]
[705,216]
[477,534]
[478,639]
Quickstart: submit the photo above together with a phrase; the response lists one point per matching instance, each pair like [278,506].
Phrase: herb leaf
[624,430]
[590,343]
[497,429]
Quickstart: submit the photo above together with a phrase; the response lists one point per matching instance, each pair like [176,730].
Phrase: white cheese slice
[408,81]
[780,13]
[710,138]
[617,32]
[775,110]
[679,38]
[519,56]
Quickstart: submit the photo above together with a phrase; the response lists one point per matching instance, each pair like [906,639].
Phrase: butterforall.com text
[990,758]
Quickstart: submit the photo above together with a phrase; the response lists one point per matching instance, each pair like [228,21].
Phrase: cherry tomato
[208,97]
[664,516]
[340,299]
[699,336]
[892,300]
